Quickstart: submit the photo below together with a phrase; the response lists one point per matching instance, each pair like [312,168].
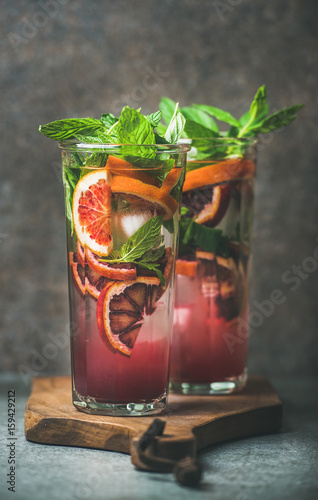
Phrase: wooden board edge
[66,432]
[255,422]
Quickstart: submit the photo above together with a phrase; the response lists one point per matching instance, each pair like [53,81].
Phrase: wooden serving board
[192,422]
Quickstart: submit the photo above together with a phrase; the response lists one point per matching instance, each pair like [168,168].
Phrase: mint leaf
[154,118]
[259,107]
[258,110]
[169,225]
[153,267]
[175,127]
[167,107]
[195,130]
[71,128]
[277,120]
[142,240]
[139,250]
[161,130]
[193,235]
[134,128]
[96,160]
[99,138]
[152,255]
[218,113]
[244,118]
[108,119]
[199,116]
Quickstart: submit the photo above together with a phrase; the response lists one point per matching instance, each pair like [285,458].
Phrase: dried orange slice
[162,202]
[122,167]
[214,212]
[219,172]
[92,211]
[120,311]
[124,271]
[186,267]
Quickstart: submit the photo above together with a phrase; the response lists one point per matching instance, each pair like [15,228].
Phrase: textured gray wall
[64,58]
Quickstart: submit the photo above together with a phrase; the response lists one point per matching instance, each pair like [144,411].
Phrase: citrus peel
[118,166]
[219,172]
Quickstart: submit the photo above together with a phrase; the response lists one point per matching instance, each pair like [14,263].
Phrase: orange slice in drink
[219,172]
[144,195]
[121,308]
[119,271]
[92,211]
[214,212]
[86,279]
[186,267]
[121,167]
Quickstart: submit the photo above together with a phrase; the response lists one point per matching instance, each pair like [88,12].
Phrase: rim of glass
[160,148]
[221,140]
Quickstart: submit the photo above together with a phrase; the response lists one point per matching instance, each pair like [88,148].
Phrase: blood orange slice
[145,194]
[214,212]
[92,211]
[94,282]
[85,279]
[124,271]
[120,311]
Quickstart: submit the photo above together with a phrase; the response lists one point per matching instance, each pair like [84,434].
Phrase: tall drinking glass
[210,331]
[122,211]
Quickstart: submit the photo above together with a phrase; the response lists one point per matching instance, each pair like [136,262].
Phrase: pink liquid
[206,348]
[110,377]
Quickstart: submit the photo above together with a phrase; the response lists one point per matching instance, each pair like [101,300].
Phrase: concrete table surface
[280,466]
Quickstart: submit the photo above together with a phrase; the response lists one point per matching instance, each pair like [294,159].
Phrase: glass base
[93,407]
[227,386]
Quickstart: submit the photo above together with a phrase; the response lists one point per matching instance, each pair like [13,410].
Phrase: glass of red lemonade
[122,227]
[210,341]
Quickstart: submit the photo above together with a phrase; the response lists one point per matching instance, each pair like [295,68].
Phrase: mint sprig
[74,128]
[132,127]
[140,248]
[200,119]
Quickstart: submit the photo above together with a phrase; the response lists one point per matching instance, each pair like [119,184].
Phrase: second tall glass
[210,333]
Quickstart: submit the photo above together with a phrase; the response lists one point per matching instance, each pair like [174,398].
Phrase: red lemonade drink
[210,342]
[121,275]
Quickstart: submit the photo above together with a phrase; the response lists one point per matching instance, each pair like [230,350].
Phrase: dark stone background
[64,58]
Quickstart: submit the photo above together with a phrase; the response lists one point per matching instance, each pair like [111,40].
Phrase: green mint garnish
[132,127]
[74,128]
[175,127]
[200,119]
[139,248]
